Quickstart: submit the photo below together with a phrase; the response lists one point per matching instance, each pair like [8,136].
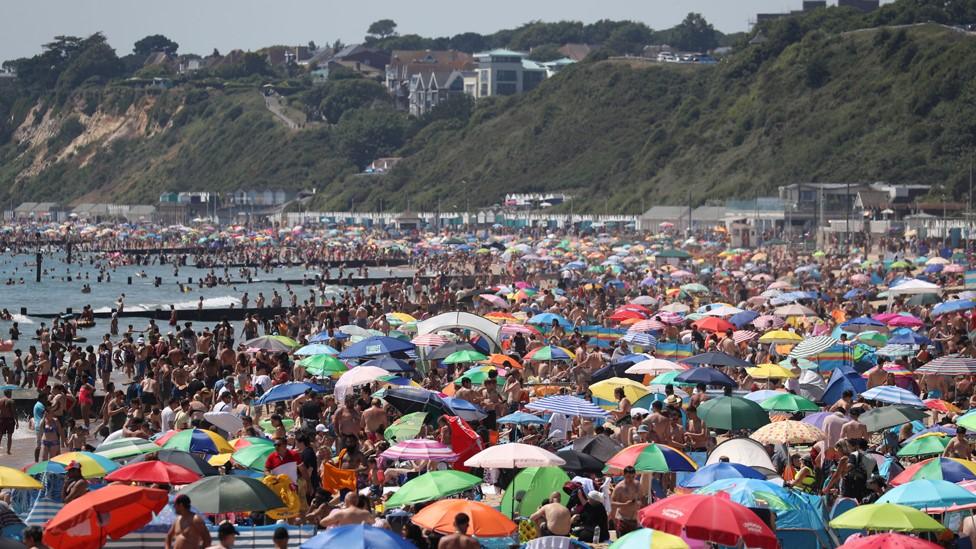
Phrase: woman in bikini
[51,436]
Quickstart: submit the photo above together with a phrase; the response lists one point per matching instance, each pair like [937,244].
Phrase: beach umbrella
[420,449]
[889,540]
[316,349]
[513,455]
[651,457]
[126,447]
[358,536]
[478,375]
[231,494]
[225,421]
[545,319]
[645,538]
[929,494]
[431,486]
[358,376]
[535,484]
[788,432]
[429,340]
[273,343]
[779,337]
[415,399]
[770,371]
[253,457]
[719,471]
[323,365]
[766,322]
[706,375]
[937,468]
[949,366]
[884,417]
[787,402]
[521,418]
[893,395]
[555,542]
[967,420]
[153,471]
[953,306]
[286,391]
[886,517]
[654,366]
[568,405]
[390,364]
[943,429]
[549,352]
[714,324]
[751,492]
[600,447]
[110,512]
[464,355]
[931,445]
[794,310]
[708,518]
[605,389]
[12,478]
[761,395]
[732,413]
[716,358]
[484,521]
[448,349]
[92,465]
[578,462]
[199,441]
[244,442]
[376,346]
[641,339]
[190,461]
[406,427]
[503,361]
[812,346]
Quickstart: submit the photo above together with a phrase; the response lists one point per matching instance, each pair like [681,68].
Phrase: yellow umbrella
[780,336]
[219,460]
[402,317]
[770,371]
[632,390]
[12,478]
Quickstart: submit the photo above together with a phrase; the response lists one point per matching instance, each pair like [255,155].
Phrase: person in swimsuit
[51,437]
[8,418]
[188,531]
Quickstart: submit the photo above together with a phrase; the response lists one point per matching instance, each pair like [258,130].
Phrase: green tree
[254,63]
[629,38]
[545,52]
[470,42]
[382,28]
[366,134]
[348,94]
[695,34]
[154,43]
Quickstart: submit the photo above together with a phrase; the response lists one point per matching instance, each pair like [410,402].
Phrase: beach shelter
[534,485]
[744,451]
[843,379]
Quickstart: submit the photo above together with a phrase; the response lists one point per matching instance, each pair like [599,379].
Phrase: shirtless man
[854,429]
[466,392]
[347,418]
[625,502]
[459,539]
[8,418]
[658,423]
[959,447]
[375,420]
[350,514]
[189,531]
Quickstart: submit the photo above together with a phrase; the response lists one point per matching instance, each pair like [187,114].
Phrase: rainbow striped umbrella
[550,352]
[92,465]
[938,468]
[651,457]
[199,441]
[420,449]
[244,442]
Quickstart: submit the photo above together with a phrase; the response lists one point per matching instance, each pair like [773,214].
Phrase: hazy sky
[199,26]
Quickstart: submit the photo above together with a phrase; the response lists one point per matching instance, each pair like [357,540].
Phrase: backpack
[856,479]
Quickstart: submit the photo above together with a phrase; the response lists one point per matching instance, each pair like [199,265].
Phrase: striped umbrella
[649,325]
[429,340]
[512,329]
[766,322]
[420,449]
[92,465]
[640,338]
[126,447]
[812,346]
[568,405]
[199,441]
[893,395]
[938,468]
[743,335]
[549,352]
[651,458]
[950,366]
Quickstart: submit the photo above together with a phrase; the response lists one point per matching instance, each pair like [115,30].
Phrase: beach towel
[336,479]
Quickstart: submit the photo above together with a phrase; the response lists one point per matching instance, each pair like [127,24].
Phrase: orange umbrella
[486,522]
[503,361]
[113,511]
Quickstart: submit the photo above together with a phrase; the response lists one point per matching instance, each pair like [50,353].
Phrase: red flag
[464,441]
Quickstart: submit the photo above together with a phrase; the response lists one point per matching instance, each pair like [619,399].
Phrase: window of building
[506,76]
[504,88]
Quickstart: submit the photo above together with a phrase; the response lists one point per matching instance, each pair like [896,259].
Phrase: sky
[199,26]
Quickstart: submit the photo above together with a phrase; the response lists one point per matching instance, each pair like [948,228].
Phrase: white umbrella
[794,310]
[360,375]
[514,455]
[227,421]
[723,310]
[654,366]
[676,308]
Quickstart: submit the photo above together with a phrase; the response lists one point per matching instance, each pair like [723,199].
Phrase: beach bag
[336,479]
[855,480]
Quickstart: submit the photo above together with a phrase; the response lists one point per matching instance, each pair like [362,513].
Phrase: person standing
[460,538]
[188,531]
[8,418]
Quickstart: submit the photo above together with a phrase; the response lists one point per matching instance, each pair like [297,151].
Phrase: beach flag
[673,351]
[971,280]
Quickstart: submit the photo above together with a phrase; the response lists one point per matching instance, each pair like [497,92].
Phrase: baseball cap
[320,428]
[643,429]
[595,496]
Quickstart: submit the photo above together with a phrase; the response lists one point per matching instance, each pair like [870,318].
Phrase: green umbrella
[478,375]
[538,483]
[803,363]
[694,288]
[323,365]
[873,338]
[732,413]
[930,445]
[888,517]
[464,355]
[253,456]
[788,402]
[432,486]
[231,494]
[668,378]
[405,428]
[266,426]
[127,447]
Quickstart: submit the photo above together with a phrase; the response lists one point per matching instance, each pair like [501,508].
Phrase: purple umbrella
[817,419]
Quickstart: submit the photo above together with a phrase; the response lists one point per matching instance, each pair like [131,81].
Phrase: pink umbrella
[429,340]
[766,322]
[779,285]
[512,329]
[669,318]
[420,449]
[953,268]
[885,317]
[681,274]
[522,285]
[906,321]
[649,325]
[860,279]
[495,300]
[743,335]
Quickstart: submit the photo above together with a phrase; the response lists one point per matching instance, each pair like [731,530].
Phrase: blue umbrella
[522,418]
[708,376]
[287,391]
[741,319]
[933,268]
[908,337]
[856,292]
[547,318]
[953,306]
[719,471]
[947,429]
[751,493]
[862,321]
[317,349]
[324,336]
[716,359]
[639,338]
[389,364]
[376,346]
[358,536]
[464,409]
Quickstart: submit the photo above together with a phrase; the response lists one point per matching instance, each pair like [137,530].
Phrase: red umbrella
[464,441]
[889,541]
[714,324]
[708,518]
[113,511]
[154,471]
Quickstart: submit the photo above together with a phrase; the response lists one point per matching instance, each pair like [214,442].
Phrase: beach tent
[913,287]
[803,526]
[743,451]
[812,386]
[459,319]
[842,379]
